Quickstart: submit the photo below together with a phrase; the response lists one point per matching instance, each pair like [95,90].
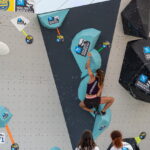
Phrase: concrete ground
[28,89]
[128,114]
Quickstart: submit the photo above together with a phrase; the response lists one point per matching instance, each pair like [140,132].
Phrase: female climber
[125,144]
[93,93]
[87,142]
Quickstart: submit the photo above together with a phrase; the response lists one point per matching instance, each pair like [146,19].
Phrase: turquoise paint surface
[44,18]
[92,36]
[96,62]
[55,148]
[101,122]
[5,116]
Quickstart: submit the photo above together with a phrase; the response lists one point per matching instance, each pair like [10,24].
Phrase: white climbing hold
[4,49]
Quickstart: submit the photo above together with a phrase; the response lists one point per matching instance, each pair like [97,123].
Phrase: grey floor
[128,115]
[27,88]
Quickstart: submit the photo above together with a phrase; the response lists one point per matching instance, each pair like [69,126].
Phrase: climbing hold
[5,116]
[101,122]
[20,21]
[84,42]
[4,49]
[50,19]
[15,146]
[105,44]
[60,38]
[53,20]
[82,48]
[55,148]
[29,39]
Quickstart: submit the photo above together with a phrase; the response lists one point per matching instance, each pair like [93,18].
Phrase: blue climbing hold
[78,49]
[53,20]
[14,146]
[5,116]
[50,18]
[86,40]
[58,40]
[19,20]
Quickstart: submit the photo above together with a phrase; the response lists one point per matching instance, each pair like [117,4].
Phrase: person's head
[87,140]
[100,75]
[116,137]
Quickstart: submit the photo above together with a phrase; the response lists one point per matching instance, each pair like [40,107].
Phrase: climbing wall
[27,88]
[64,67]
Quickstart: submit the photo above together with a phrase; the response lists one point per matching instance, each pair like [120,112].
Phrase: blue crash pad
[44,18]
[101,122]
[92,36]
[5,116]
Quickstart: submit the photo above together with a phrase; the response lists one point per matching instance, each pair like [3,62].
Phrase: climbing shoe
[103,113]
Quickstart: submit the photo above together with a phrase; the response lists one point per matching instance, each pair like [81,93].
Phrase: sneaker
[142,135]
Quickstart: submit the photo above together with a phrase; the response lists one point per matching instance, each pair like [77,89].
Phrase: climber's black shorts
[92,102]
